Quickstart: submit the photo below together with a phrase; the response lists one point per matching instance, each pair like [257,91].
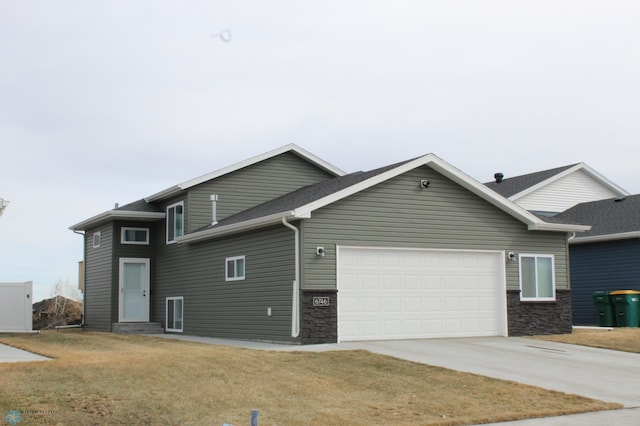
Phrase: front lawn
[104,378]
[619,339]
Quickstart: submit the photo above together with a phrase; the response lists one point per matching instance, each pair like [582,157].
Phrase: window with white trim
[175,221]
[134,236]
[96,239]
[175,314]
[537,277]
[235,268]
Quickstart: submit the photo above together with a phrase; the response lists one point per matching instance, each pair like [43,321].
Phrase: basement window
[537,282]
[175,311]
[234,268]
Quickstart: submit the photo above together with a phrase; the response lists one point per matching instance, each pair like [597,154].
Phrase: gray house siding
[249,187]
[98,309]
[604,266]
[131,251]
[234,309]
[398,213]
[196,272]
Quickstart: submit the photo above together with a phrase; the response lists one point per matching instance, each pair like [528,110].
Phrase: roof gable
[517,184]
[301,203]
[293,148]
[558,189]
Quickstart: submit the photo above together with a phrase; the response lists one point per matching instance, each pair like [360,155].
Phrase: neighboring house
[600,259]
[553,191]
[606,257]
[285,247]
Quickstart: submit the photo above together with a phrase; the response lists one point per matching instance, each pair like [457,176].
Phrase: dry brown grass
[104,378]
[620,339]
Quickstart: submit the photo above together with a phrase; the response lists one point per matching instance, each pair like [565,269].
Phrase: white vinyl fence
[16,307]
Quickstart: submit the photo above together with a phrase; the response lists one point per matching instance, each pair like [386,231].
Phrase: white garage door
[409,294]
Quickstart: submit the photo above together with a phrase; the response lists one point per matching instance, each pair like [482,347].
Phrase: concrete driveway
[597,373]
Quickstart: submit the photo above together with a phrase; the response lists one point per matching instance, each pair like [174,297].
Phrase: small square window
[235,268]
[135,236]
[96,239]
[175,313]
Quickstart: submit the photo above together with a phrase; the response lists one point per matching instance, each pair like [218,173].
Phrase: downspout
[295,304]
[84,273]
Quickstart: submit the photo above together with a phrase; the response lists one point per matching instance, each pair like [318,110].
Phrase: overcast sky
[112,101]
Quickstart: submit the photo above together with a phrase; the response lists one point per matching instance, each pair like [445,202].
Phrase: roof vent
[214,209]
[498,177]
[619,199]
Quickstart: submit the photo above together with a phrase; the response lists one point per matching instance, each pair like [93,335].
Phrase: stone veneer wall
[319,323]
[530,318]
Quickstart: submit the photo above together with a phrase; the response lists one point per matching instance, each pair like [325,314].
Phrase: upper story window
[96,239]
[175,221]
[135,236]
[537,280]
[234,268]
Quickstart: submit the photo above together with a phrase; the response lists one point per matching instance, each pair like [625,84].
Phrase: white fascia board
[581,166]
[117,214]
[603,180]
[166,193]
[219,231]
[601,238]
[533,222]
[245,163]
[563,227]
[322,202]
[459,177]
[546,182]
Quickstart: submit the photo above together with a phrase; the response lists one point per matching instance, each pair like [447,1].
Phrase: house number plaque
[321,301]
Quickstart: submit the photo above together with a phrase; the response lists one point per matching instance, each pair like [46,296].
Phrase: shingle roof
[141,206]
[302,196]
[606,217]
[517,184]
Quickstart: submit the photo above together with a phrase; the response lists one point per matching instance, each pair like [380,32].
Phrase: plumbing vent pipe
[214,208]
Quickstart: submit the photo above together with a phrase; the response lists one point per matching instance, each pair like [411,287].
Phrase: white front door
[134,290]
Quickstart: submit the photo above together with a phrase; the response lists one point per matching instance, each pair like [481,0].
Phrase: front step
[137,328]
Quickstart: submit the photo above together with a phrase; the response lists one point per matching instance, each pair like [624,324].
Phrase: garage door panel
[399,293]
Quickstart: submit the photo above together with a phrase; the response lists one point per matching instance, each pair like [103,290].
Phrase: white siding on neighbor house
[564,193]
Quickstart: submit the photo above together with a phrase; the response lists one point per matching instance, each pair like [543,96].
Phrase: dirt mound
[58,310]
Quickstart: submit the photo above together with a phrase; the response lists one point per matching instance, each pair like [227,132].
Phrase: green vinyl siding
[399,213]
[249,187]
[99,276]
[232,309]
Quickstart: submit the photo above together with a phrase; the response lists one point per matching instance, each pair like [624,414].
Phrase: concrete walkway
[11,354]
[602,374]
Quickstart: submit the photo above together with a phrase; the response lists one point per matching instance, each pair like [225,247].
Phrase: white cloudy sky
[112,101]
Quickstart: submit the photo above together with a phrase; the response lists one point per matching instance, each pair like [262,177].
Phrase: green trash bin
[606,312]
[627,307]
